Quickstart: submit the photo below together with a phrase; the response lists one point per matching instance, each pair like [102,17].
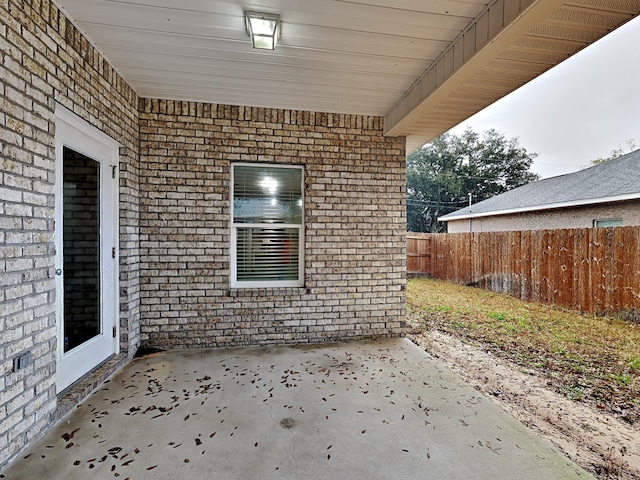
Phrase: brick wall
[129,250]
[579,217]
[43,60]
[354,226]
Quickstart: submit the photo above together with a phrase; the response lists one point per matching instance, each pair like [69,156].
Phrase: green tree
[442,174]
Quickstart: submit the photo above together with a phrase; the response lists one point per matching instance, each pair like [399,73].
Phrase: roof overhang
[537,208]
[508,45]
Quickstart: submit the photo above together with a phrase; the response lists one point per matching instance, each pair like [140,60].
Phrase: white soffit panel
[332,56]
[426,65]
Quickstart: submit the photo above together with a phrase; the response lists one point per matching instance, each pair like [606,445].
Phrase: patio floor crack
[287,424]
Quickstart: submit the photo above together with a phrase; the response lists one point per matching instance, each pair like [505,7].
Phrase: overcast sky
[580,110]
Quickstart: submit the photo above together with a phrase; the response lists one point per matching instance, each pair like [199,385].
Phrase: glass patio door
[86,248]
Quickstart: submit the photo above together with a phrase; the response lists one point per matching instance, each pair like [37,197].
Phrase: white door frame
[74,133]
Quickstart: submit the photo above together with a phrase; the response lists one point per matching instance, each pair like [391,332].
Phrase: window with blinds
[267,226]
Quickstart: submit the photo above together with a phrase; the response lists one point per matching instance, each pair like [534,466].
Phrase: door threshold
[75,393]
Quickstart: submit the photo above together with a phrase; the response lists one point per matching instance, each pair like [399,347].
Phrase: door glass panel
[81,248]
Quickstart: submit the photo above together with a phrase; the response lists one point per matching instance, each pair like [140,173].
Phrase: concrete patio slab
[375,410]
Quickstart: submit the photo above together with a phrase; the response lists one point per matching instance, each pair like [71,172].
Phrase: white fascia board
[550,206]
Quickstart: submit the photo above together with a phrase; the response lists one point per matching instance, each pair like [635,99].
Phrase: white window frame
[233,281]
[607,222]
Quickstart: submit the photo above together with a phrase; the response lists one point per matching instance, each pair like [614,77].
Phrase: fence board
[593,270]
[609,271]
[525,292]
[629,248]
[516,265]
[597,269]
[564,288]
[545,249]
[582,280]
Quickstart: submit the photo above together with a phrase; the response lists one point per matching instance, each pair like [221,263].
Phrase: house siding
[43,60]
[575,217]
[354,226]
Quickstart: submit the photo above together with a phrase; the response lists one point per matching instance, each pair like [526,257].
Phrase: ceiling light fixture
[263,29]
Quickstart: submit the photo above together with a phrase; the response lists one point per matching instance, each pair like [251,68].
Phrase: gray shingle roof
[619,177]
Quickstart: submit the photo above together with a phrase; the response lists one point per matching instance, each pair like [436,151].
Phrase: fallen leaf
[69,436]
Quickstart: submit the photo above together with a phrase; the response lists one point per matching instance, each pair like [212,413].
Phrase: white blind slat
[267,254]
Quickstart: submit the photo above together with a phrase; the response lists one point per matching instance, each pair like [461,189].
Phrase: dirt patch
[594,439]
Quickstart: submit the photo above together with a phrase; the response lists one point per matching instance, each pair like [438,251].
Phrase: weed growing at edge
[634,363]
[623,379]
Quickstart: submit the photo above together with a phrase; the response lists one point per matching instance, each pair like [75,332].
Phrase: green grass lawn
[586,358]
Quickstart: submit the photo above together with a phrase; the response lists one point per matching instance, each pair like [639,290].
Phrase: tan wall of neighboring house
[575,217]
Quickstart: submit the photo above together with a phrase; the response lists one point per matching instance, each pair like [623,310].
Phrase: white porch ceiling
[425,65]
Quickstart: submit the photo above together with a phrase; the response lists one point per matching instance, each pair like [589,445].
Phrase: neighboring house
[605,195]
[164,184]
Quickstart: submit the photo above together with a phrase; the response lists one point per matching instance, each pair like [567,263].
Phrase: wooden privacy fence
[419,248]
[594,270]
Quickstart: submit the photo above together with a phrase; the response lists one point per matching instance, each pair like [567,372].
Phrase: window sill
[267,291]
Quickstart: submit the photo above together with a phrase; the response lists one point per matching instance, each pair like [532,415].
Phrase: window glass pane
[267,195]
[608,222]
[81,234]
[267,254]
